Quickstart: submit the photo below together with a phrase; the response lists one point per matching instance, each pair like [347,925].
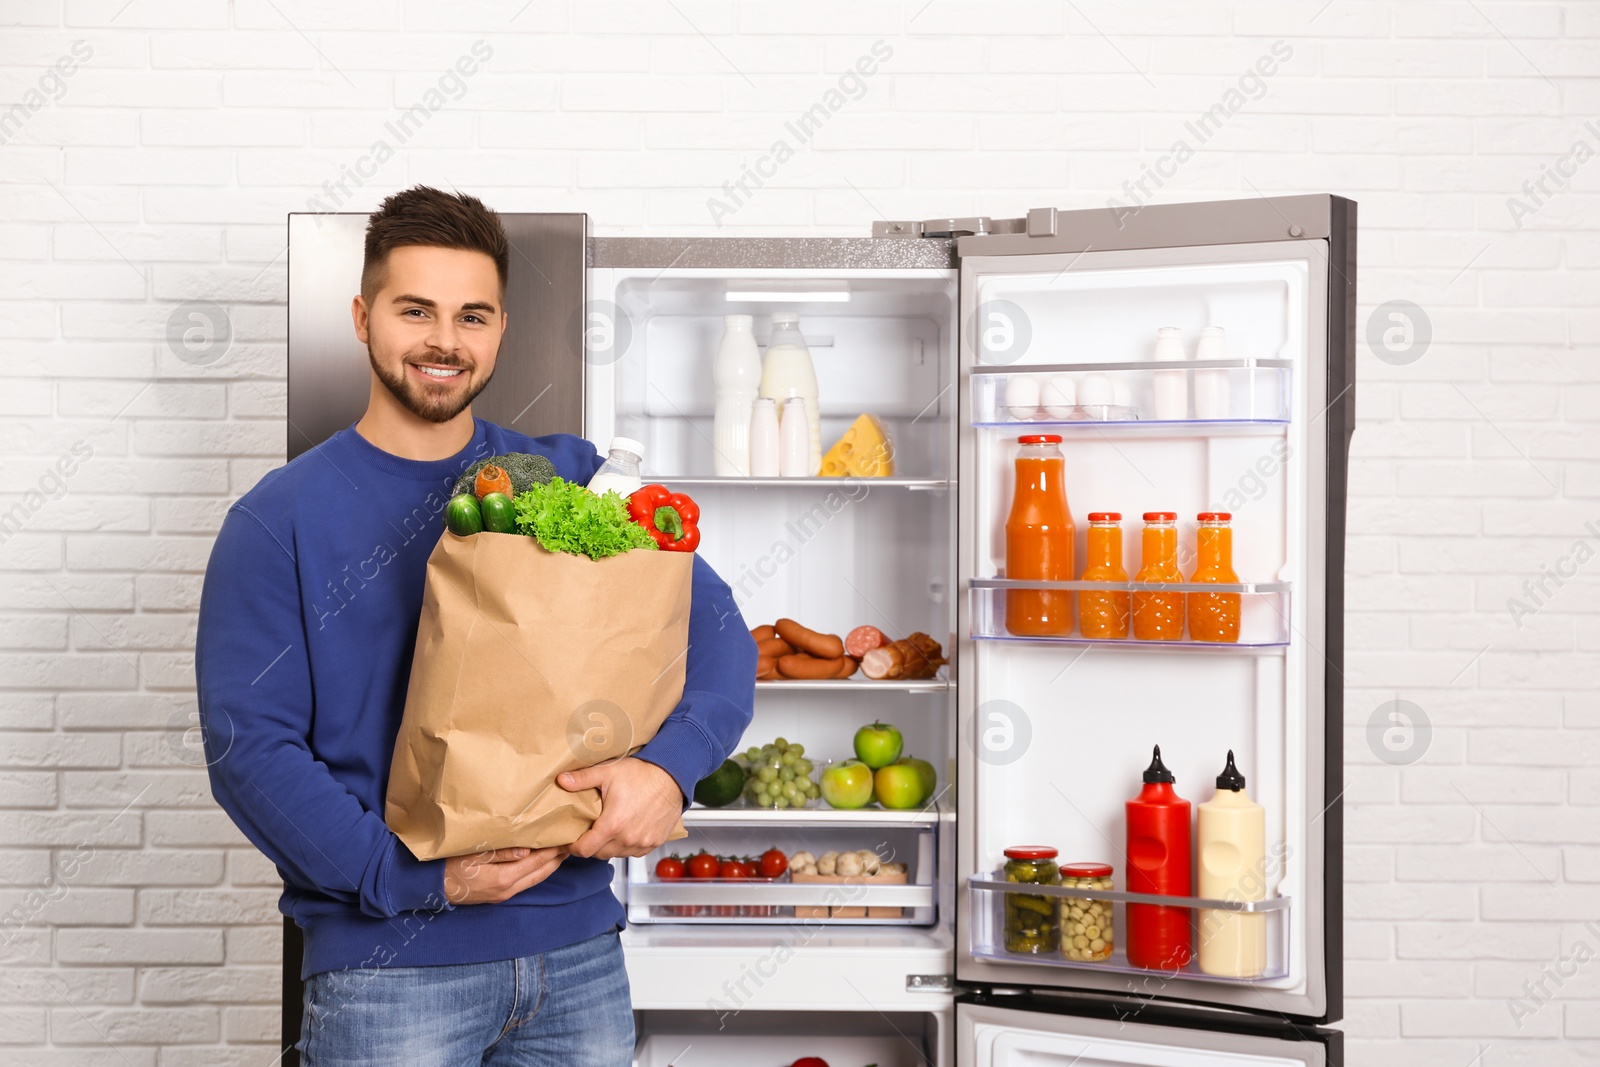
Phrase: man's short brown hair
[423,215]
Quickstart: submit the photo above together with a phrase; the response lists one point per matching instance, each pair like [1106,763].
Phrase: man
[308,621]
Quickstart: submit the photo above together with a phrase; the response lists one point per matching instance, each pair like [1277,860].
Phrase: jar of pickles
[1086,925]
[1030,919]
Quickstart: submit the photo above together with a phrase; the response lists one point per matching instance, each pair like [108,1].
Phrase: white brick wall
[163,172]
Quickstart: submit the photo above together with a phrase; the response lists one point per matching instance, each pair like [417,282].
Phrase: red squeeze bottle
[1158,862]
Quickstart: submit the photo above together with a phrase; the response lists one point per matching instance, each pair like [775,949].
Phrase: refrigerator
[959,336]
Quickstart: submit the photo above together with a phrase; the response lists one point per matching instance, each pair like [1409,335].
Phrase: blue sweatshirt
[308,620]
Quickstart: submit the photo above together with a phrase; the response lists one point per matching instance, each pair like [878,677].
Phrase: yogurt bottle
[788,371]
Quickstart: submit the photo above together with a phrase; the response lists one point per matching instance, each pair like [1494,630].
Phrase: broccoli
[525,469]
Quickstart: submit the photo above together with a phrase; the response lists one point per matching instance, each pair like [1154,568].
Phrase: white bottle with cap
[620,471]
[794,431]
[1233,866]
[764,438]
[788,371]
[1171,386]
[737,375]
[1212,395]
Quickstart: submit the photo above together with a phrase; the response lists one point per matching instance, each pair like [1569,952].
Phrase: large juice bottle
[1158,616]
[1039,534]
[1233,855]
[1158,862]
[1214,616]
[1104,613]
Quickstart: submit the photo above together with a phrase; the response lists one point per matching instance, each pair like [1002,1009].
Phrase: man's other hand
[492,876]
[639,806]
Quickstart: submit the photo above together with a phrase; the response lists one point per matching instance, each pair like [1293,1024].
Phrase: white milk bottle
[737,374]
[1171,386]
[1233,862]
[620,471]
[788,371]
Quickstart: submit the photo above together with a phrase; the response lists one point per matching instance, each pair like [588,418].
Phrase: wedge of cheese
[863,452]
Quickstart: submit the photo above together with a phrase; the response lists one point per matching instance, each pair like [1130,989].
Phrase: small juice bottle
[1158,616]
[1104,613]
[1039,535]
[1214,616]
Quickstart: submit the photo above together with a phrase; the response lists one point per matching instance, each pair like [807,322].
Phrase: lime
[722,787]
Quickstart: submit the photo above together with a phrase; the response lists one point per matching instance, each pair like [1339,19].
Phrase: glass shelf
[926,685]
[988,894]
[1263,613]
[676,481]
[1221,395]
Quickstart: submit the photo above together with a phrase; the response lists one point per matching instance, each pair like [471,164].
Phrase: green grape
[803,766]
[789,759]
[786,775]
[780,802]
[767,774]
[798,749]
[781,743]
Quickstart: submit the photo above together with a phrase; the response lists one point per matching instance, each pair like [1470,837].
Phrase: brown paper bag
[529,663]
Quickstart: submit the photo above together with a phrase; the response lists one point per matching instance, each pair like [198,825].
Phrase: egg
[1060,395]
[1022,396]
[1096,390]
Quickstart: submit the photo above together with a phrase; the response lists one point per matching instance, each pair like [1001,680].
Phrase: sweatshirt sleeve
[719,688]
[253,679]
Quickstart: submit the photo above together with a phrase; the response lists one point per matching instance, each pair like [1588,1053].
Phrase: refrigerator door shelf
[1223,393]
[988,901]
[1263,614]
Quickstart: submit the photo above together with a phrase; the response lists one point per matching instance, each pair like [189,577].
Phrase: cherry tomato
[810,1061]
[669,867]
[773,863]
[703,865]
[732,869]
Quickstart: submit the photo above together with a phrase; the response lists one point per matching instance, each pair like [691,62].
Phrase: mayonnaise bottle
[788,371]
[1233,853]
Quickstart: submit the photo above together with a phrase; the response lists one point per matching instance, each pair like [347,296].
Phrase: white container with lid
[620,471]
[794,431]
[1171,386]
[1212,394]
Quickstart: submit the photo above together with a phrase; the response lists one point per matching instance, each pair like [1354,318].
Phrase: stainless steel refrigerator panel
[821,253]
[1127,226]
[537,387]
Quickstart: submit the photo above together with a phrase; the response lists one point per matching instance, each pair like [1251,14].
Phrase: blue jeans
[568,1007]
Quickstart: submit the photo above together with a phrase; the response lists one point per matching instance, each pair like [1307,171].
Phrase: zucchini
[498,515]
[462,515]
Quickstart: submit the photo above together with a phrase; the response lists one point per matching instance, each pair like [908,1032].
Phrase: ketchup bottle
[1158,862]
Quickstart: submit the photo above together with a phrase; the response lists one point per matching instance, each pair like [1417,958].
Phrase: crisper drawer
[777,1039]
[882,871]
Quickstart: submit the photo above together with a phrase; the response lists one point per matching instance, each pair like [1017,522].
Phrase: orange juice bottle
[1214,616]
[1039,535]
[1158,616]
[1104,613]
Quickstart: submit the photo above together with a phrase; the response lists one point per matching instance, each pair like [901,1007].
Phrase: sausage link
[822,646]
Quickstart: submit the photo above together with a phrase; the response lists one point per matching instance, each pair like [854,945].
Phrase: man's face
[439,308]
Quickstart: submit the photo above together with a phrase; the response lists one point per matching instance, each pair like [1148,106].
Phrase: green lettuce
[563,516]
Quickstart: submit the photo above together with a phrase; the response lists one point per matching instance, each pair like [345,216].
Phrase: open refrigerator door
[1179,372]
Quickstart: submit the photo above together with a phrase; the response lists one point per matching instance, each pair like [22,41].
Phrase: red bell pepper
[671,518]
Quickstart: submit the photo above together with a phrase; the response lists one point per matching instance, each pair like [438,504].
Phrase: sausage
[822,646]
[763,633]
[766,667]
[880,664]
[773,647]
[801,665]
[847,667]
[864,639]
[915,657]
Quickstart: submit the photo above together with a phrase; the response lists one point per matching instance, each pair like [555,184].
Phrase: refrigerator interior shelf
[1263,612]
[988,941]
[823,817]
[925,685]
[1192,394]
[690,482]
[764,891]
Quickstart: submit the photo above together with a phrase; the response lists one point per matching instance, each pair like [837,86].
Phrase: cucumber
[462,515]
[498,515]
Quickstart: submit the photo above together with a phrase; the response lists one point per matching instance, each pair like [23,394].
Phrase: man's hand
[494,875]
[639,805]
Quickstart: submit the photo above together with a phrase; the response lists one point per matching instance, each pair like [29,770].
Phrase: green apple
[898,786]
[878,745]
[847,784]
[930,778]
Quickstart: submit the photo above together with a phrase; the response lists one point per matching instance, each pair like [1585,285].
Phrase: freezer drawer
[776,1039]
[1132,1034]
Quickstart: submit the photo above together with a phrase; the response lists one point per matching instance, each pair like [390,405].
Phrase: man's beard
[417,398]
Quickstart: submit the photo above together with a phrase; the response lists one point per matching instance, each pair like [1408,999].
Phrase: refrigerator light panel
[788,296]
